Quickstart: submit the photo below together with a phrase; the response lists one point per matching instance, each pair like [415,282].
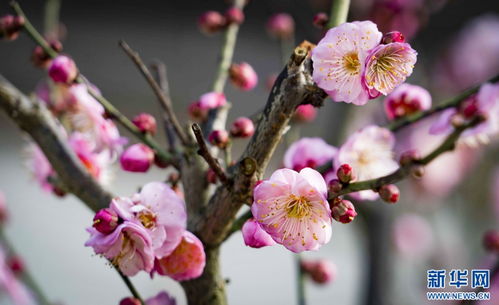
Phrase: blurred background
[381,257]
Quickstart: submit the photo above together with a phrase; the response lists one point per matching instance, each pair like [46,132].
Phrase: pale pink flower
[162,212]
[254,236]
[339,60]
[412,235]
[406,99]
[308,152]
[162,298]
[486,102]
[369,152]
[387,66]
[186,262]
[129,247]
[97,164]
[292,208]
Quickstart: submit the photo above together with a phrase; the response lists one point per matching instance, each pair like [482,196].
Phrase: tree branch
[205,153]
[339,13]
[164,100]
[447,145]
[37,121]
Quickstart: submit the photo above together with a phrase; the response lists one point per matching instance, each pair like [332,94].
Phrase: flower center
[148,219]
[351,63]
[385,64]
[298,207]
[364,157]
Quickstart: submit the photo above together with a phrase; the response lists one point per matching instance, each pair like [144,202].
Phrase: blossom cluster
[354,62]
[148,232]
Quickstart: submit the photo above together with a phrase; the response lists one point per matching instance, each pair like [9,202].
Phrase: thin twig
[300,280]
[159,69]
[205,153]
[447,145]
[130,286]
[164,100]
[339,12]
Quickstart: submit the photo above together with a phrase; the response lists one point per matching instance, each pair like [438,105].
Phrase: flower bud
[320,20]
[242,128]
[254,236]
[394,36]
[345,173]
[243,76]
[469,107]
[197,112]
[342,210]
[219,138]
[137,158]
[105,221]
[211,22]
[10,26]
[334,186]
[406,99]
[16,264]
[145,123]
[40,58]
[389,193]
[409,156]
[234,15]
[281,26]
[491,241]
[63,70]
[305,113]
[211,176]
[130,301]
[320,271]
[160,162]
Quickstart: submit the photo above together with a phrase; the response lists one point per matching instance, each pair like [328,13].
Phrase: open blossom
[292,208]
[308,152]
[486,102]
[339,60]
[369,152]
[406,99]
[387,66]
[187,260]
[254,236]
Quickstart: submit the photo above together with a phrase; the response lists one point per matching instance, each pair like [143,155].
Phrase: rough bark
[32,117]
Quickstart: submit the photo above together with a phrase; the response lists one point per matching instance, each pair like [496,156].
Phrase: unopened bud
[211,22]
[63,70]
[211,177]
[105,221]
[389,193]
[145,123]
[320,271]
[234,15]
[320,20]
[305,113]
[394,36]
[160,162]
[243,76]
[137,158]
[469,107]
[491,241]
[16,264]
[40,58]
[335,186]
[242,128]
[281,26]
[342,210]
[10,26]
[408,157]
[345,173]
[130,301]
[405,100]
[219,138]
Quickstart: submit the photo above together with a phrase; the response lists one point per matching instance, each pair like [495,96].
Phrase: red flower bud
[408,157]
[335,186]
[16,264]
[320,271]
[130,301]
[234,15]
[40,58]
[389,193]
[137,158]
[491,241]
[10,26]
[281,26]
[345,173]
[211,22]
[320,20]
[243,76]
[145,123]
[105,221]
[342,210]
[211,177]
[219,138]
[394,36]
[63,70]
[305,113]
[242,128]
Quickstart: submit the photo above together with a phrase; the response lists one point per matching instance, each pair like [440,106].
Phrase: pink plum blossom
[186,262]
[387,66]
[308,152]
[162,298]
[412,235]
[129,247]
[369,152]
[339,60]
[292,208]
[406,99]
[485,102]
[254,236]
